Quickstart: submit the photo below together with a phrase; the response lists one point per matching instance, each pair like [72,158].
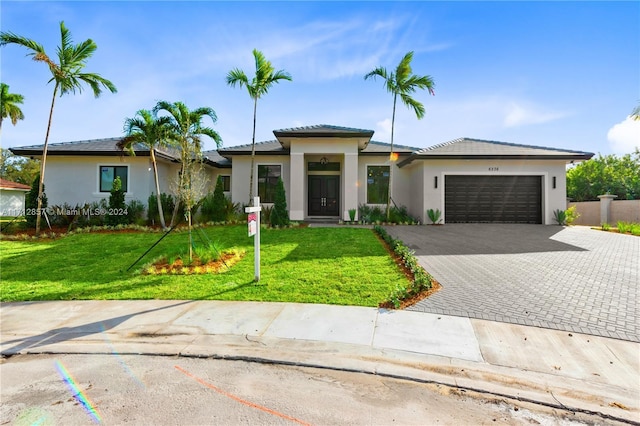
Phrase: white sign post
[253,221]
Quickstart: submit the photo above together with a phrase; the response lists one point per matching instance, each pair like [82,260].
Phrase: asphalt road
[113,389]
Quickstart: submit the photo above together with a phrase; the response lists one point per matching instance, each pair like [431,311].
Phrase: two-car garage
[488,198]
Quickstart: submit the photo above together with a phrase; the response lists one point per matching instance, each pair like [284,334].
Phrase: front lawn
[344,266]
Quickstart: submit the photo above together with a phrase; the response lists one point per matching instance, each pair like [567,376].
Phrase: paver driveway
[565,278]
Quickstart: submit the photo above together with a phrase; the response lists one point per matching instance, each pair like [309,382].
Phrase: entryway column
[350,176]
[296,187]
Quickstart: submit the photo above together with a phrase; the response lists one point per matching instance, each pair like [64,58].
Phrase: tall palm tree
[264,78]
[186,130]
[402,83]
[152,132]
[67,75]
[9,105]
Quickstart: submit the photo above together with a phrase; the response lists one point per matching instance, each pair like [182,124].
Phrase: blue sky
[559,74]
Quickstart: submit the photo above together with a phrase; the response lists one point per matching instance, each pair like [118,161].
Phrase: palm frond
[378,72]
[12,38]
[417,107]
[237,77]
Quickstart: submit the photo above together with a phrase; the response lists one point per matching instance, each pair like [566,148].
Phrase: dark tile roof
[106,147]
[216,159]
[323,130]
[265,147]
[478,149]
[375,147]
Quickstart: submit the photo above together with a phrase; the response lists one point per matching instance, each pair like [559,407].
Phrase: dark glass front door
[323,194]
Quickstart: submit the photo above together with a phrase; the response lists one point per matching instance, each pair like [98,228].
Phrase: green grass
[344,266]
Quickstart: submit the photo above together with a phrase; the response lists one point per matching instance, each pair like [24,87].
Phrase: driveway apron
[574,279]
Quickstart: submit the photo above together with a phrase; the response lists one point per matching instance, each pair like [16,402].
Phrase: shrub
[280,214]
[400,215]
[213,206]
[168,205]
[571,215]
[370,214]
[135,212]
[560,216]
[31,202]
[606,226]
[421,279]
[266,214]
[434,215]
[352,214]
[232,210]
[117,211]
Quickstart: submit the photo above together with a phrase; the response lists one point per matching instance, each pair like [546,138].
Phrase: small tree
[117,207]
[31,202]
[280,214]
[219,202]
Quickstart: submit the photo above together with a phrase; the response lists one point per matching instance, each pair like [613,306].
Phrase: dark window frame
[375,194]
[124,177]
[267,188]
[226,183]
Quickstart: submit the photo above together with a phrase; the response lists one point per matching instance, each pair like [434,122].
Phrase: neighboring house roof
[216,159]
[7,184]
[469,148]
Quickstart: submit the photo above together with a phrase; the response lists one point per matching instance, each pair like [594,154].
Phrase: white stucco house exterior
[12,198]
[328,170]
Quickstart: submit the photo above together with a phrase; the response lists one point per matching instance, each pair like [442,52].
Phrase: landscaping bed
[345,266]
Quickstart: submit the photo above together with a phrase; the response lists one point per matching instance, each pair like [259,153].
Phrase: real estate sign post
[253,222]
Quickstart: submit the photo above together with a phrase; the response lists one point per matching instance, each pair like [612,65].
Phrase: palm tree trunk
[44,161]
[393,123]
[155,175]
[253,151]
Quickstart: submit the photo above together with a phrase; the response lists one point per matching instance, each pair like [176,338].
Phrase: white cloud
[624,137]
[518,114]
[383,130]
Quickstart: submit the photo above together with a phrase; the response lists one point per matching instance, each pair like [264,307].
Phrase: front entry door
[324,192]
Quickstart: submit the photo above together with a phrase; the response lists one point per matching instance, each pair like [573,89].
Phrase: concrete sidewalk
[556,368]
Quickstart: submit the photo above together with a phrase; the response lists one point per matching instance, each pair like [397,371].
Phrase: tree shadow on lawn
[64,334]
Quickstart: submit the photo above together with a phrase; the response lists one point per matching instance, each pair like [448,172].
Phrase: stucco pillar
[350,177]
[605,207]
[296,187]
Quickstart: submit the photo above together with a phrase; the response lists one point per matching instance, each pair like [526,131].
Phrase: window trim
[257,187]
[366,171]
[224,189]
[100,166]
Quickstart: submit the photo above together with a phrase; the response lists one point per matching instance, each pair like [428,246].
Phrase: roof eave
[563,157]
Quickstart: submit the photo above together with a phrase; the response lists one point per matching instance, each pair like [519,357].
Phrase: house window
[109,173]
[377,184]
[226,183]
[268,176]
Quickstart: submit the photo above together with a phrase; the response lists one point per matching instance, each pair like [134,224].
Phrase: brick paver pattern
[575,279]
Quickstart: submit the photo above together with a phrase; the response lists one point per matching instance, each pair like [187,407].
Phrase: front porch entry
[323,195]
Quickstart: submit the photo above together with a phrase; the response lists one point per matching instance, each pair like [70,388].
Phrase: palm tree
[402,83]
[152,132]
[185,129]
[9,105]
[66,74]
[260,84]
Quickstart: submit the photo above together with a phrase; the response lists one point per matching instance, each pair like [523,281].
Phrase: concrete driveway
[565,278]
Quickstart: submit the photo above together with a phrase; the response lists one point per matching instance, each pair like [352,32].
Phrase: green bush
[352,214]
[421,279]
[280,215]
[135,212]
[560,216]
[434,215]
[168,205]
[31,202]
[369,214]
[213,206]
[117,211]
[571,215]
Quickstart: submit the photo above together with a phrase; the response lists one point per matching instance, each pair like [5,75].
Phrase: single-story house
[328,170]
[12,198]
